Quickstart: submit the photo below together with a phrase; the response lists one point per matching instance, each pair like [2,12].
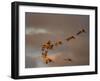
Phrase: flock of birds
[49,45]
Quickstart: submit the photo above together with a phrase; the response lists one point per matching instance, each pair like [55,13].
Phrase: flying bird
[42,48]
[49,42]
[47,59]
[81,31]
[48,45]
[51,46]
[56,44]
[69,38]
[45,46]
[44,55]
[68,59]
[60,42]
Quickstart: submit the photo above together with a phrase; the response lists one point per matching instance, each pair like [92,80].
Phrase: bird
[69,38]
[47,60]
[49,42]
[42,48]
[56,44]
[60,42]
[68,59]
[45,46]
[48,45]
[51,46]
[44,54]
[81,31]
[46,57]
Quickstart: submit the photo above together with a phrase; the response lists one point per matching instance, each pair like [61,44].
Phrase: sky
[41,27]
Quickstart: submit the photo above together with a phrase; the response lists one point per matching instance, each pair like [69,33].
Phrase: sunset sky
[41,27]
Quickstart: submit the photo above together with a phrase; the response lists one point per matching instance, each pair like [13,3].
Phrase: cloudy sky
[41,27]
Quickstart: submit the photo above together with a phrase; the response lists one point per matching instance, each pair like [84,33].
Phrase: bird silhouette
[69,38]
[81,31]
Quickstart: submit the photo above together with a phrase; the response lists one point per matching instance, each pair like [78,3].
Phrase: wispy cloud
[31,31]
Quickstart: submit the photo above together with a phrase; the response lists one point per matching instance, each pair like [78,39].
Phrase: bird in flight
[69,38]
[46,58]
[47,45]
[68,59]
[81,31]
